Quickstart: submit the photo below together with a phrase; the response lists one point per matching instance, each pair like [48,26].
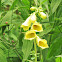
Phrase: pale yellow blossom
[29,35]
[37,27]
[42,43]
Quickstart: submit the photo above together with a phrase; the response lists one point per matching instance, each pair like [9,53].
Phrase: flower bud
[6,22]
[19,13]
[3,33]
[33,8]
[42,15]
[12,41]
[40,9]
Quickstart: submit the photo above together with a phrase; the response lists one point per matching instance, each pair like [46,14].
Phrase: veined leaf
[54,5]
[6,18]
[26,48]
[55,47]
[46,31]
[2,56]
[13,4]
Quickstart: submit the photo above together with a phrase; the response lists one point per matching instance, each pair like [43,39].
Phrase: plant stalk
[35,51]
[35,2]
[0,5]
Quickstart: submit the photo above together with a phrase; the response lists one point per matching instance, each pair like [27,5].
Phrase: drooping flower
[33,18]
[26,24]
[42,43]
[32,8]
[37,27]
[42,15]
[29,35]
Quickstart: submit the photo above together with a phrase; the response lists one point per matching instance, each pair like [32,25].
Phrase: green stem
[35,51]
[40,2]
[0,4]
[18,53]
[41,55]
[60,59]
[35,2]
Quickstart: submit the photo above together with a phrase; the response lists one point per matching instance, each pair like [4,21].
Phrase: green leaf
[44,53]
[13,36]
[13,4]
[26,48]
[54,5]
[55,47]
[2,56]
[6,18]
[45,31]
[58,59]
[3,28]
[20,40]
[0,4]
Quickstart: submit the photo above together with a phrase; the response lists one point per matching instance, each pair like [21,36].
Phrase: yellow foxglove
[33,18]
[32,8]
[41,43]
[42,15]
[29,35]
[37,27]
[26,24]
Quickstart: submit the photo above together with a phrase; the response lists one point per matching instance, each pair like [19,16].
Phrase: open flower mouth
[43,44]
[36,27]
[25,27]
[30,35]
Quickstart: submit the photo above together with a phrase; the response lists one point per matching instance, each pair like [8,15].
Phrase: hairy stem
[35,51]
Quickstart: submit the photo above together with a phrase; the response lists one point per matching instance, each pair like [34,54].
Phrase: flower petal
[37,27]
[29,35]
[42,15]
[26,24]
[33,18]
[41,43]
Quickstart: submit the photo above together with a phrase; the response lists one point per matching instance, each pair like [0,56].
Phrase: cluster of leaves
[13,47]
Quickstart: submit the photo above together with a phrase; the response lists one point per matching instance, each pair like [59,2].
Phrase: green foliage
[2,56]
[26,49]
[55,47]
[54,5]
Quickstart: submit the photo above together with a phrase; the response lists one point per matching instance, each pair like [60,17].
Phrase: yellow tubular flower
[37,27]
[42,15]
[41,43]
[32,8]
[29,35]
[33,18]
[26,24]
